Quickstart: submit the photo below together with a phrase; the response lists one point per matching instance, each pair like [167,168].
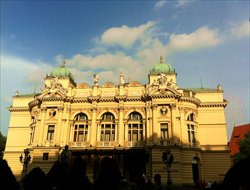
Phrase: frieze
[20,109]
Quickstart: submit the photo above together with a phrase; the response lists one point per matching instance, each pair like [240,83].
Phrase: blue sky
[204,41]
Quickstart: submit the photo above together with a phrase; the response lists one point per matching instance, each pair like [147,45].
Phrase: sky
[206,42]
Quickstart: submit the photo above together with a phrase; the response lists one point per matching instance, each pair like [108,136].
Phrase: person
[109,176]
[158,183]
[56,175]
[35,179]
[149,185]
[77,178]
[209,185]
[8,180]
[124,185]
[66,155]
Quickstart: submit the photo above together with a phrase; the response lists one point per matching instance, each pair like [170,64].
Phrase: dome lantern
[161,68]
[61,71]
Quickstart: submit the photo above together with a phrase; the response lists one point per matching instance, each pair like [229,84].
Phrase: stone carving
[55,87]
[162,83]
[96,79]
[122,79]
[164,110]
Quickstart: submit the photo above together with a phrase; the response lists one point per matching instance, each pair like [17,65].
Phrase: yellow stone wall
[68,99]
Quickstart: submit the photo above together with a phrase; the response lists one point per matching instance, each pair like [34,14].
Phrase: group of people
[70,174]
[202,184]
[67,174]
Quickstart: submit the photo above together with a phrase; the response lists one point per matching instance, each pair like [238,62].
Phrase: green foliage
[2,144]
[244,146]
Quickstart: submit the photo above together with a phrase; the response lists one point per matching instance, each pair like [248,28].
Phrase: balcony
[135,143]
[78,144]
[106,144]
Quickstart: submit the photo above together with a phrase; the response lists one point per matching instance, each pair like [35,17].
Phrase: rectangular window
[45,156]
[164,131]
[32,134]
[191,134]
[51,131]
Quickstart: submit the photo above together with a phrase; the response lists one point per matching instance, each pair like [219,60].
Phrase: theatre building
[132,122]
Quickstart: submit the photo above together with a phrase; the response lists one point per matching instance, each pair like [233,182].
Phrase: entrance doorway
[135,165]
[196,169]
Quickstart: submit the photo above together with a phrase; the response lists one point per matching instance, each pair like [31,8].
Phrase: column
[42,128]
[59,127]
[121,127]
[65,134]
[173,120]
[183,137]
[148,129]
[93,128]
[154,127]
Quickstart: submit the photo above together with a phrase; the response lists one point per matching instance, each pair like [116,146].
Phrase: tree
[244,146]
[2,145]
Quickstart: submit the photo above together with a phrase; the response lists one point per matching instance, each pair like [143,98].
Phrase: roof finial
[161,59]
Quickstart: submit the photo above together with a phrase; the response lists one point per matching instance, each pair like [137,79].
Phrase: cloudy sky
[207,42]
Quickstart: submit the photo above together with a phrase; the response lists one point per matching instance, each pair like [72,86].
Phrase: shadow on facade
[133,161]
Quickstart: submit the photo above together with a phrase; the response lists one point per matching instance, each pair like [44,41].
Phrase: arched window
[107,127]
[135,127]
[191,129]
[81,127]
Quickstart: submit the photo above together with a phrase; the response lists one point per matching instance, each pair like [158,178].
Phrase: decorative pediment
[162,85]
[108,85]
[134,84]
[83,85]
[54,89]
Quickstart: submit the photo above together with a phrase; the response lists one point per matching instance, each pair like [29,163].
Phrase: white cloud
[241,29]
[125,36]
[201,38]
[21,74]
[182,3]
[160,4]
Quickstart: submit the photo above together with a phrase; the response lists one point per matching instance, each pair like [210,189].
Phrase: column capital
[120,108]
[60,108]
[154,106]
[173,106]
[43,109]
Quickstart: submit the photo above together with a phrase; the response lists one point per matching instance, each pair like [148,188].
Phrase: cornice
[191,100]
[53,99]
[79,100]
[213,104]
[18,109]
[164,96]
[107,99]
[34,103]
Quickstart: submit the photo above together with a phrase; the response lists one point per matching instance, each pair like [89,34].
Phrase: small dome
[61,71]
[161,68]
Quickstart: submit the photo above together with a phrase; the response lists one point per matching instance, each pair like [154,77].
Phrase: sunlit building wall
[132,122]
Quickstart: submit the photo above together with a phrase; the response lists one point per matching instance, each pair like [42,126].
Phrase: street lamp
[25,161]
[168,158]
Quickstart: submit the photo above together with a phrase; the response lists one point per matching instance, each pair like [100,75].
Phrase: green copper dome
[61,71]
[161,68]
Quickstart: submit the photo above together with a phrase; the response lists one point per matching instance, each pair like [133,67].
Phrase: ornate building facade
[132,122]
